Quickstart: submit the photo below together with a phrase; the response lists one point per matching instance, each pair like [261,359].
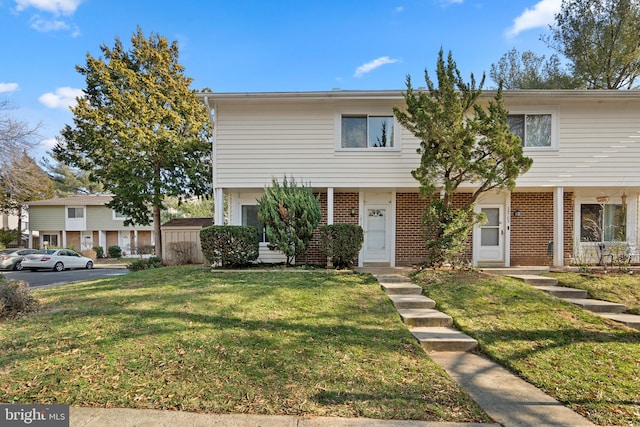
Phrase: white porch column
[558,227]
[329,205]
[135,242]
[64,238]
[30,239]
[218,206]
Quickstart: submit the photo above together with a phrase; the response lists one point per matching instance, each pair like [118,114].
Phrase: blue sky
[261,45]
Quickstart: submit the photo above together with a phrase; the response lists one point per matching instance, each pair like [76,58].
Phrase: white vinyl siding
[256,142]
[596,143]
[599,144]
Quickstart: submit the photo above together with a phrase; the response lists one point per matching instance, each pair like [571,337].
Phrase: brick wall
[410,240]
[532,231]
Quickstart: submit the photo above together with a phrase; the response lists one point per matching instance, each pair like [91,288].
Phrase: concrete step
[535,280]
[597,306]
[631,320]
[392,278]
[415,317]
[443,339]
[401,288]
[507,271]
[563,292]
[412,301]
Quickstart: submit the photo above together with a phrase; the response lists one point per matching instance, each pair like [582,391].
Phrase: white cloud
[64,97]
[8,87]
[58,7]
[445,3]
[45,25]
[542,14]
[48,143]
[370,66]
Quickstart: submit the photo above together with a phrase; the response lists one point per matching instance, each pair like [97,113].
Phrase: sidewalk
[98,417]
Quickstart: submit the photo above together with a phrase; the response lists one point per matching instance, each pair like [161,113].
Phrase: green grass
[255,342]
[588,363]
[615,286]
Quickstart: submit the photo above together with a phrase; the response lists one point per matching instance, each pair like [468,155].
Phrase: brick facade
[531,231]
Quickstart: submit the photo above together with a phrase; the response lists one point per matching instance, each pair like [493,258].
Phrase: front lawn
[590,364]
[615,286]
[262,343]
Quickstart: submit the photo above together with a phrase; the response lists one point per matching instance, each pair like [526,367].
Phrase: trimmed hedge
[145,264]
[341,243]
[114,251]
[230,245]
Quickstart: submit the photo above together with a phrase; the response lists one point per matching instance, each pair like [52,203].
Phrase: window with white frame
[362,131]
[49,240]
[118,216]
[250,218]
[602,223]
[535,130]
[75,213]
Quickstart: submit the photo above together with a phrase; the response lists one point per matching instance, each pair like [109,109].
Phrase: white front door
[125,242]
[489,237]
[86,240]
[376,233]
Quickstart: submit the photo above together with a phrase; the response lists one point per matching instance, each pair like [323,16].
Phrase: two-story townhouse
[582,189]
[83,222]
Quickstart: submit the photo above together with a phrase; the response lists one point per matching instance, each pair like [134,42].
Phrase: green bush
[230,245]
[15,298]
[341,243]
[145,264]
[114,251]
[99,251]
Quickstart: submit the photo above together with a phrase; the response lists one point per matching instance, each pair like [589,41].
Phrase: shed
[185,230]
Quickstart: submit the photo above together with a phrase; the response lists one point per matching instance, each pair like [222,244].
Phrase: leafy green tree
[178,207]
[22,181]
[528,70]
[139,130]
[69,181]
[289,213]
[460,143]
[601,40]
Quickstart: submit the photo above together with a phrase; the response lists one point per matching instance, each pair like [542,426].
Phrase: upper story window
[118,215]
[535,130]
[371,131]
[367,132]
[74,213]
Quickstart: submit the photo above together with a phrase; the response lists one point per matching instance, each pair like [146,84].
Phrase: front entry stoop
[431,327]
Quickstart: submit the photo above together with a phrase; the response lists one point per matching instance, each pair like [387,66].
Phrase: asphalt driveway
[41,278]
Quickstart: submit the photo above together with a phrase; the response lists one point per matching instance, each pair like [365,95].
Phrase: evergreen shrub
[341,243]
[230,245]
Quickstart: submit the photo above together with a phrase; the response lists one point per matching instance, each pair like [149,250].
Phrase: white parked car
[57,260]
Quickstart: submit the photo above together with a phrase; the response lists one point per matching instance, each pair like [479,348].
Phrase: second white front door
[489,236]
[376,233]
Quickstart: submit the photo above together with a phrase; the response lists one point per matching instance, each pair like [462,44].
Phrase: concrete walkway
[505,397]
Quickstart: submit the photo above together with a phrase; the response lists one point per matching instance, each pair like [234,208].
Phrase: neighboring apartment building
[583,187]
[83,222]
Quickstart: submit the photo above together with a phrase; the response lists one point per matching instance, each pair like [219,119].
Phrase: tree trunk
[156,230]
